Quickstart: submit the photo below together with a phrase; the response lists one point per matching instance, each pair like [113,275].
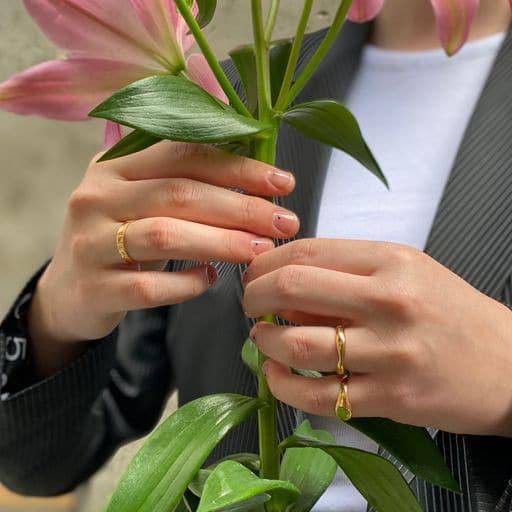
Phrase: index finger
[349,256]
[203,163]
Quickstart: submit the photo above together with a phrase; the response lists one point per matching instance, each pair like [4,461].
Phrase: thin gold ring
[341,342]
[121,243]
[343,408]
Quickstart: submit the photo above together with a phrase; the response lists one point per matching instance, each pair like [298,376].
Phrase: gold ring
[341,341]
[343,407]
[121,243]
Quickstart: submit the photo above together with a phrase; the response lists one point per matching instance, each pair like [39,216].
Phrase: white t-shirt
[413,108]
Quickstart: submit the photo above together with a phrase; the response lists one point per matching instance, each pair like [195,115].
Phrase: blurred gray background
[42,161]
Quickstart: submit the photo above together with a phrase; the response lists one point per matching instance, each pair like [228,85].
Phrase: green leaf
[133,143]
[249,460]
[232,486]
[172,107]
[279,56]
[245,61]
[311,470]
[206,11]
[311,374]
[250,358]
[412,446]
[250,355]
[158,476]
[331,123]
[375,478]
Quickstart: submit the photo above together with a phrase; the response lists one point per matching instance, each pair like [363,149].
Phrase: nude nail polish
[261,245]
[286,222]
[281,179]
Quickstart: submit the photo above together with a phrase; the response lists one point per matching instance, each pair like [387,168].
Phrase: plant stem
[271,20]
[209,55]
[265,151]
[261,49]
[282,100]
[321,52]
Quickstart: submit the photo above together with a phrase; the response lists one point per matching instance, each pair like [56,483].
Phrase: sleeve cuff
[69,392]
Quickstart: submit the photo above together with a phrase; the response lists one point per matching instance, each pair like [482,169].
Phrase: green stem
[282,100]
[261,49]
[209,55]
[265,151]
[271,20]
[320,54]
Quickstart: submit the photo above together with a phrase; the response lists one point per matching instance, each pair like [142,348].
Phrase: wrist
[52,346]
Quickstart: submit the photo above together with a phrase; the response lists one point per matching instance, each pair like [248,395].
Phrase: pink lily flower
[454,18]
[107,47]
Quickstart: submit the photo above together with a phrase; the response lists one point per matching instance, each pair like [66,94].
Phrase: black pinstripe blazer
[56,433]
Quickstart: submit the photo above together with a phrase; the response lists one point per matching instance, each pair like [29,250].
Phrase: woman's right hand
[178,197]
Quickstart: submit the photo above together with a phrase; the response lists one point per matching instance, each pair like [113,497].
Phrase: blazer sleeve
[56,433]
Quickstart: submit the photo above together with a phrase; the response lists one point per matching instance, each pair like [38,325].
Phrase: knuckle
[143,290]
[404,300]
[185,150]
[404,396]
[402,256]
[289,280]
[302,251]
[82,201]
[313,401]
[406,355]
[160,235]
[243,168]
[248,211]
[300,350]
[397,297]
[181,193]
[233,249]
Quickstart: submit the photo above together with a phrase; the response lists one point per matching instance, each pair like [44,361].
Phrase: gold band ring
[121,243]
[343,407]
[341,341]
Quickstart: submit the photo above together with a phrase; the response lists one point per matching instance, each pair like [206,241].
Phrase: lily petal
[167,28]
[96,29]
[454,19]
[200,72]
[113,134]
[365,10]
[67,89]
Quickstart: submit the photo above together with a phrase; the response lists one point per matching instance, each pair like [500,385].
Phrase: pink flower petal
[454,19]
[365,10]
[113,134]
[68,89]
[200,72]
[96,29]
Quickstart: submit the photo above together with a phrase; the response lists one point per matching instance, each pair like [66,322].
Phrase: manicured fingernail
[261,245]
[286,222]
[281,179]
[211,275]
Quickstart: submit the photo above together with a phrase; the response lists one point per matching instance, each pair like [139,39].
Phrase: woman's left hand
[423,346]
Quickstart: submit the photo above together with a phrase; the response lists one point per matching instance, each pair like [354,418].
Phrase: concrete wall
[42,161]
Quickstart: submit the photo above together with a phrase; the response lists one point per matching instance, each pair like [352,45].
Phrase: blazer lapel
[472,232]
